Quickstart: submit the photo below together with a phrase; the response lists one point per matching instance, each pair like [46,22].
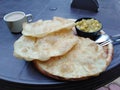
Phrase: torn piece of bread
[42,28]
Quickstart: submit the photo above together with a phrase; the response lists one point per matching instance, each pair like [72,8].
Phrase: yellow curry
[89,25]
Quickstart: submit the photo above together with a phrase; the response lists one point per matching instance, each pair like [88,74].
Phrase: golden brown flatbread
[42,28]
[54,44]
[84,60]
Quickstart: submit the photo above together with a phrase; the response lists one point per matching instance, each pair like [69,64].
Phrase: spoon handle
[117,41]
[115,37]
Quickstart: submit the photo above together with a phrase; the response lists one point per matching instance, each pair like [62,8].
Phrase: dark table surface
[20,75]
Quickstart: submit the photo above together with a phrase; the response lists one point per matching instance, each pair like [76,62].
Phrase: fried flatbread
[58,53]
[42,28]
[84,60]
[54,44]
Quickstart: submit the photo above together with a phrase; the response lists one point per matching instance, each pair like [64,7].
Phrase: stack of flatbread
[56,52]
